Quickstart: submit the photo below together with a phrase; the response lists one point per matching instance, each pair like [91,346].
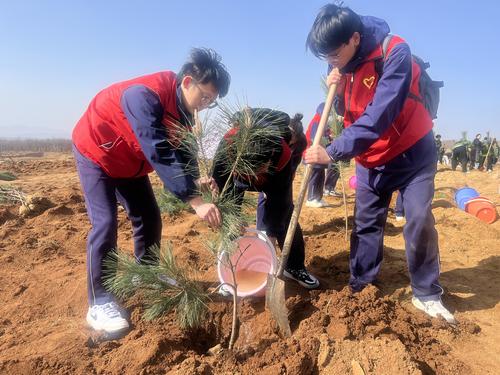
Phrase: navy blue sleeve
[144,113]
[390,95]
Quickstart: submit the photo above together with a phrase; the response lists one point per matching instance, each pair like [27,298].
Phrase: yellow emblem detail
[368,82]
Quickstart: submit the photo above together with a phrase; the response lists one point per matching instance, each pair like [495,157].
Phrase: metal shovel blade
[276,303]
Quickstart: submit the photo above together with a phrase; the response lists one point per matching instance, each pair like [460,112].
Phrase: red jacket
[412,123]
[104,135]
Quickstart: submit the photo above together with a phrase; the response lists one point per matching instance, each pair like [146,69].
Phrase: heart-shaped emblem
[368,82]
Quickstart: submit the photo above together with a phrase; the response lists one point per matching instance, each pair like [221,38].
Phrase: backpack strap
[379,63]
[385,45]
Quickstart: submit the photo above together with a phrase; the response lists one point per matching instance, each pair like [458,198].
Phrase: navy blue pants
[332,176]
[399,209]
[102,193]
[316,183]
[415,181]
[297,250]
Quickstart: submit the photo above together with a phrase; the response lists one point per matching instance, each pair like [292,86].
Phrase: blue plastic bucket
[463,195]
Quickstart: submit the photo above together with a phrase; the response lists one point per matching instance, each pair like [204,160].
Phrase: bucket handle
[262,235]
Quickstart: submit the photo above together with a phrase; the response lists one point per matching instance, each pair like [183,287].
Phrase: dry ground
[43,294]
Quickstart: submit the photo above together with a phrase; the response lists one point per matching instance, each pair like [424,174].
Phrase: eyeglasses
[207,100]
[334,54]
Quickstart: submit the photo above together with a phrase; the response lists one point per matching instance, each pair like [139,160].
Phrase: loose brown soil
[378,331]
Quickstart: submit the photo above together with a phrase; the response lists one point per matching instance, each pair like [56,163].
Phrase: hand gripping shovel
[275,289]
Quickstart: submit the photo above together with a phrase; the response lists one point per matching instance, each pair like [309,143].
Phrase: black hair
[438,135]
[334,26]
[296,123]
[205,66]
[266,148]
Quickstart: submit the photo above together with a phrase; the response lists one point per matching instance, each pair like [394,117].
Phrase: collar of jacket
[186,118]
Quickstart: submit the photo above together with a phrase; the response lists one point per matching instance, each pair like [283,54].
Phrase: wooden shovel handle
[303,187]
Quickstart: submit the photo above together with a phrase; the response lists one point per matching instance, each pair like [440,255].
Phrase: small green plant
[160,282]
[163,286]
[7,176]
[11,194]
[169,203]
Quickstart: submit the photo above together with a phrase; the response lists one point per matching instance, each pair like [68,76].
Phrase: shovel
[275,289]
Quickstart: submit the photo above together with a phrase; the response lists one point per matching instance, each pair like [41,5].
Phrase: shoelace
[303,274]
[436,306]
[110,310]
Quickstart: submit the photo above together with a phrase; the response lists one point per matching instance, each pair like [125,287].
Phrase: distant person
[315,189]
[492,155]
[389,131]
[273,175]
[439,148]
[331,179]
[475,153]
[447,157]
[399,210]
[459,154]
[127,132]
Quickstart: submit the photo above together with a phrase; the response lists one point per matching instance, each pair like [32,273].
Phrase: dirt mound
[5,215]
[377,331]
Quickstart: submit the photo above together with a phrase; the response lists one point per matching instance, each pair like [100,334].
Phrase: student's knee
[421,218]
[107,225]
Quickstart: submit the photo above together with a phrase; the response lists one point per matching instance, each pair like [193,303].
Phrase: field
[43,294]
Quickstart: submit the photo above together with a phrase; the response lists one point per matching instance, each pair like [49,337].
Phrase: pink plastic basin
[255,258]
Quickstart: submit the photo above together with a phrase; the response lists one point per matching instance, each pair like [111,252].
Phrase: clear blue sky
[56,55]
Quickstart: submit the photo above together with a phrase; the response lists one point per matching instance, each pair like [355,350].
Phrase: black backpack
[429,89]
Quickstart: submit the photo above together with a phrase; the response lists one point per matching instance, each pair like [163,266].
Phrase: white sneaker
[107,318]
[225,291]
[434,308]
[335,193]
[316,203]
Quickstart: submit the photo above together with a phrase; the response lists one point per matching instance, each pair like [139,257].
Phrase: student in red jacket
[127,132]
[275,162]
[389,132]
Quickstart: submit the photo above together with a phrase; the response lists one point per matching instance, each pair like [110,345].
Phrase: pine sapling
[160,282]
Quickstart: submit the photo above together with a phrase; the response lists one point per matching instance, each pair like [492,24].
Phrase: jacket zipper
[349,99]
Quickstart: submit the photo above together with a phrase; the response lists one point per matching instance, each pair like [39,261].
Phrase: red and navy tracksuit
[297,149]
[390,135]
[275,210]
[317,180]
[126,133]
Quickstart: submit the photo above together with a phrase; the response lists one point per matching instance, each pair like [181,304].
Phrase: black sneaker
[303,277]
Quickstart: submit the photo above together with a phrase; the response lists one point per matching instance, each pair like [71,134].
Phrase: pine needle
[241,156]
[161,283]
[169,203]
[11,194]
